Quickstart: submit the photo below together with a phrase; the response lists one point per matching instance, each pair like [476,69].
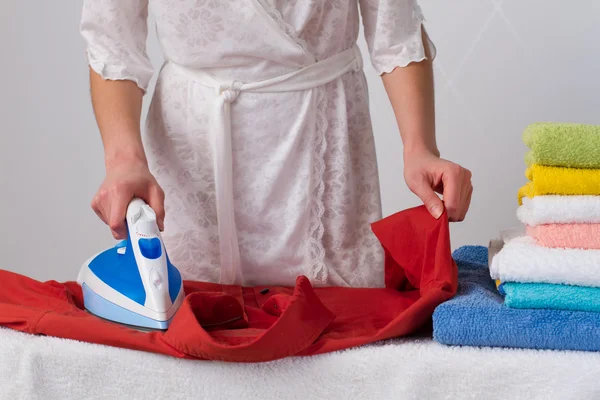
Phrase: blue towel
[547,295]
[477,316]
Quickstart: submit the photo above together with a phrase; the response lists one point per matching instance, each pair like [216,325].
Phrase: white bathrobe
[259,130]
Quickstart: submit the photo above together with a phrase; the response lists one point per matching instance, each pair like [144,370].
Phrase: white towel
[495,245]
[34,367]
[523,260]
[541,210]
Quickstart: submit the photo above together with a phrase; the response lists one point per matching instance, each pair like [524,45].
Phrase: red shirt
[232,323]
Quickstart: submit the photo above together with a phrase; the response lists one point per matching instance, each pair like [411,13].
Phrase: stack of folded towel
[556,264]
[477,316]
[548,274]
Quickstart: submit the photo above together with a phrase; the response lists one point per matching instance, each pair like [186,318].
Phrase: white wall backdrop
[501,65]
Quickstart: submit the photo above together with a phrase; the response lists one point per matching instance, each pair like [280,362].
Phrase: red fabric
[244,325]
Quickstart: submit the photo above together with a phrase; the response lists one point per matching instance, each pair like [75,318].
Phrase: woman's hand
[123,182]
[118,107]
[426,173]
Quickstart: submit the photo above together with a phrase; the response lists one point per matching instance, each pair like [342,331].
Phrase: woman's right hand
[122,183]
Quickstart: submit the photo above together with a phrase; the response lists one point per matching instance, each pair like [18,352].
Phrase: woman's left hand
[426,173]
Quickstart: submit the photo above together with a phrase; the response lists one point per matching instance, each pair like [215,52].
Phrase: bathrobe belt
[309,77]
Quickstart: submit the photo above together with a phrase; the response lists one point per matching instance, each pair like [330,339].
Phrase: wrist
[133,155]
[418,149]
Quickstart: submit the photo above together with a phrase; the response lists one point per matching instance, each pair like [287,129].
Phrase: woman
[258,143]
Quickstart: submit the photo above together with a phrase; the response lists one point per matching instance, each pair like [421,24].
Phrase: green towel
[563,145]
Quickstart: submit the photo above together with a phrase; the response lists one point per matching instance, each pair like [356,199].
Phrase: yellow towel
[562,181]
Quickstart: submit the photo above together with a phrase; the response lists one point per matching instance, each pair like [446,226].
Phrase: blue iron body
[134,282]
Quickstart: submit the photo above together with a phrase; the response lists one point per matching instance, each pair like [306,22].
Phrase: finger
[467,203]
[116,219]
[452,192]
[98,208]
[100,213]
[431,201]
[467,193]
[156,201]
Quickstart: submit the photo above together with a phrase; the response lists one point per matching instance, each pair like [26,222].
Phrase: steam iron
[134,283]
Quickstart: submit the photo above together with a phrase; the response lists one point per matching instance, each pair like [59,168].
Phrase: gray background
[501,65]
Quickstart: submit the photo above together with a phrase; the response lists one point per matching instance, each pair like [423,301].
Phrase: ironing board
[34,367]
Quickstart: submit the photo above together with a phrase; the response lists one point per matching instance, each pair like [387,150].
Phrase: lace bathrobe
[261,186]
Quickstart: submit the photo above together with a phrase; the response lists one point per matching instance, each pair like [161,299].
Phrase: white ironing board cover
[35,367]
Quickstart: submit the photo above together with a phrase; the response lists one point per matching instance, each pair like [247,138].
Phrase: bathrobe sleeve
[115,33]
[393,32]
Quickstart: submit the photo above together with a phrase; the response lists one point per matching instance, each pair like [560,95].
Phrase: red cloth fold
[231,323]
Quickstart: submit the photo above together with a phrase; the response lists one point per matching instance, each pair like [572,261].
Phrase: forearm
[118,106]
[411,93]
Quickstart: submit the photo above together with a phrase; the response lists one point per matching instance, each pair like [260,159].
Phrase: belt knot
[229,91]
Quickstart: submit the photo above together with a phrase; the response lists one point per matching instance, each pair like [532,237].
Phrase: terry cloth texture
[477,315]
[542,210]
[407,369]
[570,236]
[562,181]
[563,145]
[524,260]
[549,296]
